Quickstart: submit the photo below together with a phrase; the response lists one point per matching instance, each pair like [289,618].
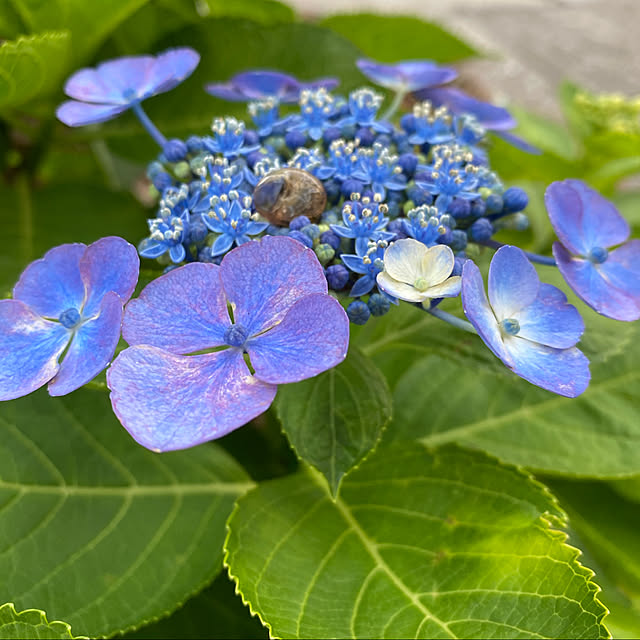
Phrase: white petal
[450,288]
[437,264]
[399,289]
[403,259]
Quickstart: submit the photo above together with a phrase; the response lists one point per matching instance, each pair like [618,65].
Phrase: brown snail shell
[286,193]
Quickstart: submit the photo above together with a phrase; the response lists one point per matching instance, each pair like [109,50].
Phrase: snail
[286,193]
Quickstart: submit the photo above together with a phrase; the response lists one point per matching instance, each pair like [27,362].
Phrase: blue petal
[513,282]
[168,402]
[79,114]
[587,282]
[622,269]
[29,349]
[362,245]
[263,279]
[476,308]
[242,239]
[92,347]
[53,284]
[263,84]
[177,253]
[110,264]
[151,248]
[343,232]
[226,91]
[550,319]
[171,68]
[563,371]
[222,244]
[362,286]
[214,225]
[182,311]
[254,228]
[312,337]
[353,262]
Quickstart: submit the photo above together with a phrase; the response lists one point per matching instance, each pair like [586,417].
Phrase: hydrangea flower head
[71,299]
[528,325]
[380,169]
[259,84]
[117,85]
[228,138]
[432,125]
[406,76]
[267,299]
[589,226]
[416,273]
[317,107]
[363,106]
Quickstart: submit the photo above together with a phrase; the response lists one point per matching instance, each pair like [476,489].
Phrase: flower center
[236,335]
[69,318]
[598,255]
[510,326]
[421,284]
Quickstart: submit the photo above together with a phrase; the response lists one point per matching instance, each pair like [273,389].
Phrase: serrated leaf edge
[43,619]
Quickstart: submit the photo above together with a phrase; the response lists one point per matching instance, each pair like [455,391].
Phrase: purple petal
[261,84]
[92,347]
[263,279]
[29,349]
[582,218]
[410,75]
[89,85]
[563,371]
[621,269]
[226,91]
[476,308]
[78,114]
[518,142]
[550,319]
[312,337]
[321,83]
[128,74]
[171,68]
[169,402]
[458,102]
[109,264]
[513,282]
[182,311]
[587,282]
[53,284]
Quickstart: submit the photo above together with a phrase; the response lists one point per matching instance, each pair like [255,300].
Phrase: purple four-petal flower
[71,298]
[588,226]
[406,76]
[117,85]
[174,388]
[528,325]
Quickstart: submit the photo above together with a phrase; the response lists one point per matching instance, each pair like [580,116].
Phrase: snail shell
[286,193]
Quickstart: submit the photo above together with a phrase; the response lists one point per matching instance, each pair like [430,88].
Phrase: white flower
[415,273]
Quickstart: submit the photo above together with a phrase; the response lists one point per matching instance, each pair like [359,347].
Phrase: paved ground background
[532,45]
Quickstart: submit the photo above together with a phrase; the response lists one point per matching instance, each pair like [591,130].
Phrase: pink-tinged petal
[260,84]
[168,402]
[53,284]
[621,269]
[409,75]
[476,308]
[128,75]
[182,311]
[550,319]
[29,349]
[263,279]
[587,282]
[582,218]
[513,282]
[563,371]
[91,349]
[312,337]
[88,85]
[79,114]
[109,264]
[171,68]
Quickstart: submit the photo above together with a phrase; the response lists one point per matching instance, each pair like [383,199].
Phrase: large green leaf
[424,544]
[335,419]
[390,38]
[32,66]
[607,526]
[96,529]
[216,612]
[31,623]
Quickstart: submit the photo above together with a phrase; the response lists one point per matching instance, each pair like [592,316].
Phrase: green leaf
[32,66]
[335,419]
[607,175]
[267,12]
[390,38]
[607,526]
[447,544]
[217,612]
[31,623]
[99,531]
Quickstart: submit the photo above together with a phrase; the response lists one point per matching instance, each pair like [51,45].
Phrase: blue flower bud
[301,237]
[175,150]
[351,185]
[515,199]
[311,230]
[494,203]
[478,208]
[397,227]
[251,138]
[358,312]
[299,222]
[459,208]
[419,196]
[253,157]
[481,230]
[378,304]
[337,276]
[408,163]
[366,137]
[274,230]
[332,189]
[459,240]
[195,144]
[325,253]
[331,134]
[295,139]
[520,222]
[153,169]
[384,139]
[408,122]
[197,231]
[458,263]
[162,180]
[330,238]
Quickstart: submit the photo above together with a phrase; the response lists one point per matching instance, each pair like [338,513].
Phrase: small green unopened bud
[325,253]
[182,170]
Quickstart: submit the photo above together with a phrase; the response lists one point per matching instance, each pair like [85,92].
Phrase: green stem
[394,106]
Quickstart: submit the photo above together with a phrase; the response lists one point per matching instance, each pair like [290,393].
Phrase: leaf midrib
[131,490]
